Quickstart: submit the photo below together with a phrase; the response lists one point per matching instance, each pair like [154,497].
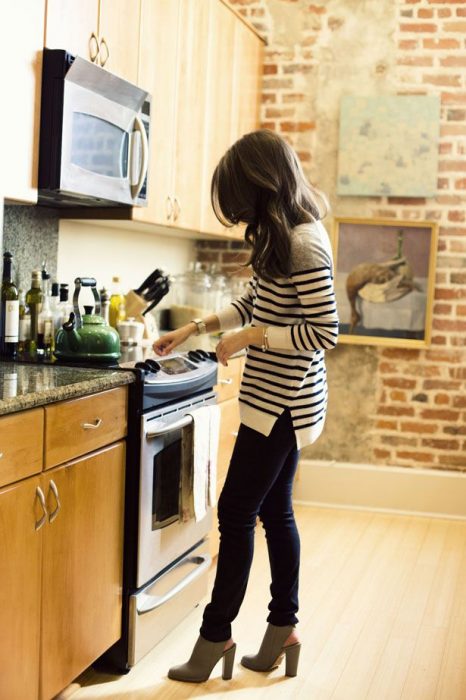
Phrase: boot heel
[292,658]
[228,661]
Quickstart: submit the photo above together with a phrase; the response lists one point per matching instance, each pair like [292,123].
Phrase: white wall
[86,250]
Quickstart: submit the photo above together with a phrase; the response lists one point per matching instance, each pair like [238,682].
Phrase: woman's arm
[319,329]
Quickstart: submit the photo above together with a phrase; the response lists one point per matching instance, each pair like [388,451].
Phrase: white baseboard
[405,490]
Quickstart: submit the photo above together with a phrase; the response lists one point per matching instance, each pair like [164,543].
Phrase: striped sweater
[301,315]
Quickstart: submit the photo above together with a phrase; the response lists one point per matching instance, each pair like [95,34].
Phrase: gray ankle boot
[204,657]
[272,651]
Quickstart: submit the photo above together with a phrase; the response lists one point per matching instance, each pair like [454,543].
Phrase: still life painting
[384,281]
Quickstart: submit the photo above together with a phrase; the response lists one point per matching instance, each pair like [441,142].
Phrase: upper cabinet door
[70,25]
[158,55]
[219,103]
[247,79]
[21,60]
[190,112]
[119,37]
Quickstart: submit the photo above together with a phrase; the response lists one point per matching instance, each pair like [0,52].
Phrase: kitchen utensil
[87,337]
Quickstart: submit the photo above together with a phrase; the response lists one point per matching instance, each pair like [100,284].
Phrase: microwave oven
[94,135]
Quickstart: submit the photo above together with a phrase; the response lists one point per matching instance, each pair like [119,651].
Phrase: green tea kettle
[87,337]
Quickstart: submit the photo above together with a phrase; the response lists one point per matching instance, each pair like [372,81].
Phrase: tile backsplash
[30,234]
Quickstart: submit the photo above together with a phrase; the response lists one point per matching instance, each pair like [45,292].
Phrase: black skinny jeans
[259,482]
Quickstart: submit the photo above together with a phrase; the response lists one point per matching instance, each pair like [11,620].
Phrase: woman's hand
[168,342]
[230,344]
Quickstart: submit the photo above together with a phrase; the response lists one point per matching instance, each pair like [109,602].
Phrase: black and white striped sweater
[301,315]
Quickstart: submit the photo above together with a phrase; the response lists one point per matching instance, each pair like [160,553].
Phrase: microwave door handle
[139,126]
[169,427]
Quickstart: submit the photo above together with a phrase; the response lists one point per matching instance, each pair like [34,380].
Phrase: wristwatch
[200,325]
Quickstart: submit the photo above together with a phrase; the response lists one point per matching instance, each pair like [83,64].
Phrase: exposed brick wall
[420,414]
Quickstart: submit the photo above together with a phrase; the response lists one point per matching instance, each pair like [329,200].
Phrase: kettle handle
[85,282]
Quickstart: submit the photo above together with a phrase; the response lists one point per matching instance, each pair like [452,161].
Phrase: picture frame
[384,277]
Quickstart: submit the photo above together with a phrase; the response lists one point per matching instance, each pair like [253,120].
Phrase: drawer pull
[226,381]
[92,426]
[41,497]
[54,490]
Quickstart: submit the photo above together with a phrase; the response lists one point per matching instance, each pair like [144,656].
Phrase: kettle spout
[69,327]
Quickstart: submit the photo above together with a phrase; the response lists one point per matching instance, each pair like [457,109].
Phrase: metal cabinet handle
[169,208]
[54,490]
[107,52]
[226,381]
[176,209]
[148,602]
[1,455]
[93,42]
[92,426]
[41,497]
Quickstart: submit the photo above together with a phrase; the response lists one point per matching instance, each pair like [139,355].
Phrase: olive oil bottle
[9,327]
[34,299]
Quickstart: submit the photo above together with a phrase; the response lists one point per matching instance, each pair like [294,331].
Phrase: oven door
[105,137]
[162,536]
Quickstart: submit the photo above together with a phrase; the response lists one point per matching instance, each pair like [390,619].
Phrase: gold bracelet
[265,340]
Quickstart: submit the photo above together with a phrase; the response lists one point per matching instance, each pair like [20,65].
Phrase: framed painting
[388,145]
[384,281]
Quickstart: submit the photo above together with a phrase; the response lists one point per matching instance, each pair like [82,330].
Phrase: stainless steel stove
[166,560]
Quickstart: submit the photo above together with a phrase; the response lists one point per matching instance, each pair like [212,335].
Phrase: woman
[289,305]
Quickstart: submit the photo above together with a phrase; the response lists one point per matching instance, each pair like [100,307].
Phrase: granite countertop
[24,386]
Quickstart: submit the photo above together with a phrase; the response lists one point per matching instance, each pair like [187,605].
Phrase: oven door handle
[147,602]
[168,427]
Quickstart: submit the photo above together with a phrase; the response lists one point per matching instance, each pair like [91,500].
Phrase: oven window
[99,146]
[166,485]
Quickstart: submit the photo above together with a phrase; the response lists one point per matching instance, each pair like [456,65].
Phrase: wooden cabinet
[21,58]
[158,55]
[73,26]
[218,132]
[83,559]
[20,590]
[227,394]
[103,31]
[74,428]
[21,445]
[61,544]
[188,62]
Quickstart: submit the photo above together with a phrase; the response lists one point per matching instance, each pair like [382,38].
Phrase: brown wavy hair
[259,181]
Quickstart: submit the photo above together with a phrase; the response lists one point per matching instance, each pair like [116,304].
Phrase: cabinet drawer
[21,445]
[228,380]
[74,428]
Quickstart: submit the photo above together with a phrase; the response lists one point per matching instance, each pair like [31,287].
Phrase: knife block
[135,305]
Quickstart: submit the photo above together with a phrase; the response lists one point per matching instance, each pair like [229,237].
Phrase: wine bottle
[34,300]
[9,311]
[24,324]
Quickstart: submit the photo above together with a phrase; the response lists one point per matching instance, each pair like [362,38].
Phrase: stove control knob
[213,356]
[203,353]
[142,365]
[153,365]
[193,356]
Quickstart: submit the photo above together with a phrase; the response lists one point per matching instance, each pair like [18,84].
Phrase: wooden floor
[383,615]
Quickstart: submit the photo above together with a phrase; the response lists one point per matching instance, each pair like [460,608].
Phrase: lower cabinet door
[21,523]
[82,565]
